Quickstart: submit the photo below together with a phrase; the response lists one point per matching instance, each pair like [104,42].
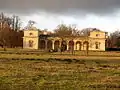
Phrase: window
[30,34]
[97,45]
[30,43]
[97,35]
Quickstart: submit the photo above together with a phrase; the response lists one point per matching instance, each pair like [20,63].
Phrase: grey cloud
[100,7]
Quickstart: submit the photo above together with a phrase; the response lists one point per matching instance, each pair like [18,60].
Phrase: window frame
[97,35]
[30,33]
[31,43]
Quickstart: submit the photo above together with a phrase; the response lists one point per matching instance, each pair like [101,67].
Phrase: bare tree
[65,31]
[15,21]
[8,31]
[114,39]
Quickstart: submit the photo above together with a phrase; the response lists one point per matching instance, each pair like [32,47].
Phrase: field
[40,71]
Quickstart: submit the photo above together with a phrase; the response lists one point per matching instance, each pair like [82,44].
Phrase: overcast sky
[102,14]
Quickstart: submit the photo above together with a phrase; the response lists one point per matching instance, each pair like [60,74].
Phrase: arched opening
[30,43]
[56,45]
[78,45]
[63,45]
[49,45]
[42,44]
[97,45]
[85,45]
[71,45]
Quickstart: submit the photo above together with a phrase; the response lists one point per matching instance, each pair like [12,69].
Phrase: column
[46,41]
[67,45]
[74,45]
[60,44]
[81,45]
[53,42]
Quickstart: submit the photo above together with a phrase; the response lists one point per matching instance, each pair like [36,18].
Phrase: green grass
[77,53]
[59,74]
[56,56]
[36,70]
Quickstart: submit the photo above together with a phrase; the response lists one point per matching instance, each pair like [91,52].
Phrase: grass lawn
[77,53]
[35,70]
[56,72]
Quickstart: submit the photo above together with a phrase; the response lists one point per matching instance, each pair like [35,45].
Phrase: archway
[85,45]
[30,43]
[71,45]
[97,45]
[78,45]
[42,44]
[63,45]
[56,45]
[49,44]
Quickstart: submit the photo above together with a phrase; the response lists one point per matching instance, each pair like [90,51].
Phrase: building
[34,39]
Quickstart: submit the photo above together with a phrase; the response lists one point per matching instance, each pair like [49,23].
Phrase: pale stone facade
[30,39]
[34,40]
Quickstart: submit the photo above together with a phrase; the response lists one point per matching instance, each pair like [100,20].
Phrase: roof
[96,30]
[31,28]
